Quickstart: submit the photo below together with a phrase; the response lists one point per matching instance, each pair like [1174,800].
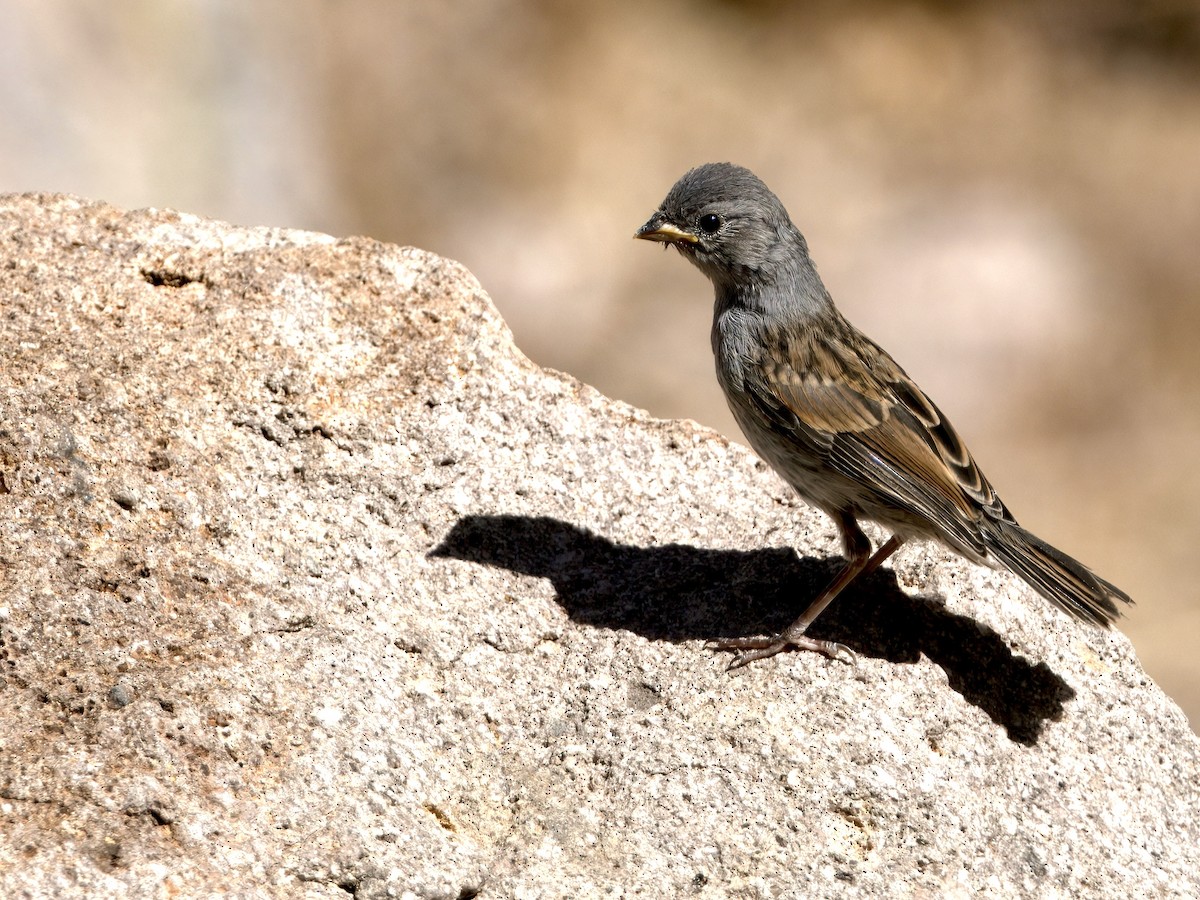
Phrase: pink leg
[859,563]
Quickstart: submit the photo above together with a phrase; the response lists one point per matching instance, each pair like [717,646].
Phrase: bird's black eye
[710,223]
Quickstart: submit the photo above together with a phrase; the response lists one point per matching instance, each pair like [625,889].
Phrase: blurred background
[1006,195]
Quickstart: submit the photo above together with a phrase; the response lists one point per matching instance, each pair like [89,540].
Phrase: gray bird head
[724,220]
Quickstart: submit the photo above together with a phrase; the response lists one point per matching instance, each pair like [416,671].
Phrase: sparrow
[836,416]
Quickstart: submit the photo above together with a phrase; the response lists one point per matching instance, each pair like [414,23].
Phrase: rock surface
[312,585]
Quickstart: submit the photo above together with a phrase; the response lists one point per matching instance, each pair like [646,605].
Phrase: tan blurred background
[1006,195]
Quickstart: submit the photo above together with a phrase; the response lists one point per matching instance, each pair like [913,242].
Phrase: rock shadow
[677,592]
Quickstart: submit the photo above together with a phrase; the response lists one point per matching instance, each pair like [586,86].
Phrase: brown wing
[878,427]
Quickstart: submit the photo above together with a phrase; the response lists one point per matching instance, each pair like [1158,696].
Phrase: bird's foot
[749,649]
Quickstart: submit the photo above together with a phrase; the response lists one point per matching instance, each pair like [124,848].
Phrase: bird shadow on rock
[677,592]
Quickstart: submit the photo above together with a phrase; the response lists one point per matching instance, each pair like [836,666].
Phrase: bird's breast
[734,343]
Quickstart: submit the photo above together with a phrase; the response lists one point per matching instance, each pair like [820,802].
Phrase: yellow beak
[664,232]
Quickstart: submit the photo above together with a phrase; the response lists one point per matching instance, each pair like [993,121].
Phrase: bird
[836,416]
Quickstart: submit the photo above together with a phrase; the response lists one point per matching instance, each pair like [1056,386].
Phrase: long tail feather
[1057,577]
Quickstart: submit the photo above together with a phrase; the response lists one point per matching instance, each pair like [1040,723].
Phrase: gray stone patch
[312,585]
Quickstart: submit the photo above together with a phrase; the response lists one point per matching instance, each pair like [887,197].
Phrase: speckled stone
[311,584]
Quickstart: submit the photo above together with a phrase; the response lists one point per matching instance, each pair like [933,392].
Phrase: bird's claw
[749,649]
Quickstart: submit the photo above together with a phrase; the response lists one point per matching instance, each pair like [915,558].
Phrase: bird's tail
[1066,582]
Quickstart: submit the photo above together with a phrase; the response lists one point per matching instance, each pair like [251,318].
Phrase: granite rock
[312,585]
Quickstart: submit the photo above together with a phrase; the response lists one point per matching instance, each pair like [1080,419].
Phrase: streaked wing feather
[949,446]
[880,429]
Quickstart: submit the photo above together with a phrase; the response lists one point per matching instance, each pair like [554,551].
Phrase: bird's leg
[859,563]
